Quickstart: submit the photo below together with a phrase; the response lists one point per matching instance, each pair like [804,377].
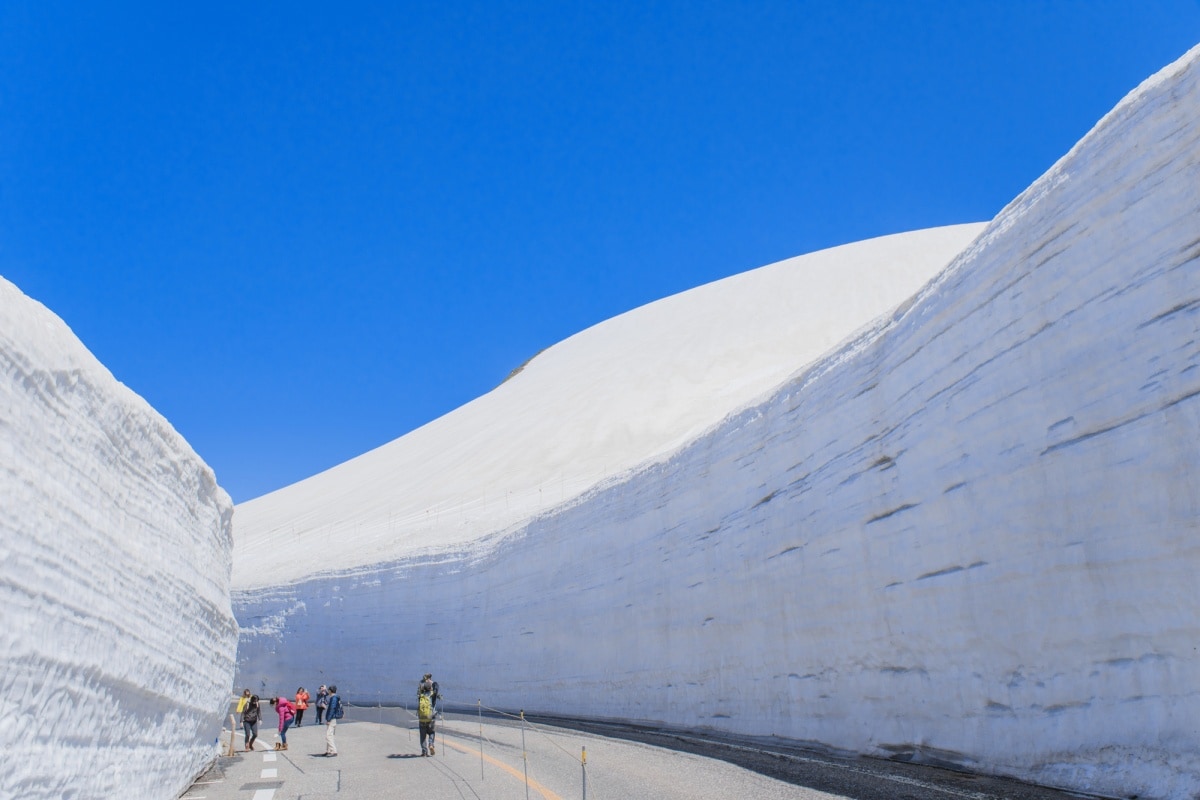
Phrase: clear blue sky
[301,230]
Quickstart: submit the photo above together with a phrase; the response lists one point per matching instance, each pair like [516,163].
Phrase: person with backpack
[425,715]
[250,717]
[334,712]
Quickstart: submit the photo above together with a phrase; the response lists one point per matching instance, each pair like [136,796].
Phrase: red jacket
[286,711]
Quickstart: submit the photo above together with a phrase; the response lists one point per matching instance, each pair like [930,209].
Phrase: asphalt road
[490,757]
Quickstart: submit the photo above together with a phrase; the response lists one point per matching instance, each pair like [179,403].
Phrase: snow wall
[969,536]
[118,643]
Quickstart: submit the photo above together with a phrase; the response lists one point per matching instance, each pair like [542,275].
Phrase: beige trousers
[330,744]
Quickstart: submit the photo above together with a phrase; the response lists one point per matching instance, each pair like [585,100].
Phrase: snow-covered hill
[118,642]
[584,411]
[966,534]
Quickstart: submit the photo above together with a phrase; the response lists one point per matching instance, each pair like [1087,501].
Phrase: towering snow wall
[118,642]
[969,535]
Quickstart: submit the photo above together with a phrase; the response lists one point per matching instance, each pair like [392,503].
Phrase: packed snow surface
[585,411]
[968,534]
[118,642]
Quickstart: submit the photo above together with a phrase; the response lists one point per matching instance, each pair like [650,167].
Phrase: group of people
[329,706]
[328,703]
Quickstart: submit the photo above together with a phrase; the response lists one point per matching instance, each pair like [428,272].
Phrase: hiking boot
[431,750]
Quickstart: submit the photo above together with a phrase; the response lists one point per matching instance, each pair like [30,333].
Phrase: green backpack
[424,708]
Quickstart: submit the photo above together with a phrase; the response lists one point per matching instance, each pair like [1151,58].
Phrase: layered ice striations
[118,642]
[969,535]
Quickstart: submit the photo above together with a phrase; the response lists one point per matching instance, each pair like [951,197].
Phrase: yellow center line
[537,787]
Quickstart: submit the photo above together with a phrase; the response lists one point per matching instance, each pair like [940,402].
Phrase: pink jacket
[285,709]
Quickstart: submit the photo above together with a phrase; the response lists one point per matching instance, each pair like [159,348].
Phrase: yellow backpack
[424,708]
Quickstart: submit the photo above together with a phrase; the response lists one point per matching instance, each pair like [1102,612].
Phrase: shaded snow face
[969,535]
[116,652]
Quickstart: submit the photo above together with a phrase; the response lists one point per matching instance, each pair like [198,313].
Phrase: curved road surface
[490,756]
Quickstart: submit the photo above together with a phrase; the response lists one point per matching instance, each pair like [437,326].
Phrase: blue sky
[301,230]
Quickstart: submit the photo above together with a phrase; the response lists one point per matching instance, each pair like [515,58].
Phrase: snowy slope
[117,648]
[967,535]
[587,410]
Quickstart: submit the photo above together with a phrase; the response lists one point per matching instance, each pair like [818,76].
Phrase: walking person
[425,714]
[435,692]
[428,684]
[322,701]
[334,712]
[250,717]
[287,712]
[301,704]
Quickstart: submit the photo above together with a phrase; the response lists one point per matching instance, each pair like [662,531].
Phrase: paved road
[486,758]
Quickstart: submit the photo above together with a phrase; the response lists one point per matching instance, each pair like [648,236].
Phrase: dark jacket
[334,709]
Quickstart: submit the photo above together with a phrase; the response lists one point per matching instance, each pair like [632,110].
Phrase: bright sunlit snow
[968,534]
[117,648]
[585,411]
[931,496]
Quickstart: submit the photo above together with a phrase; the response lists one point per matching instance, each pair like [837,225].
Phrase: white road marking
[264,794]
[268,756]
[269,773]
